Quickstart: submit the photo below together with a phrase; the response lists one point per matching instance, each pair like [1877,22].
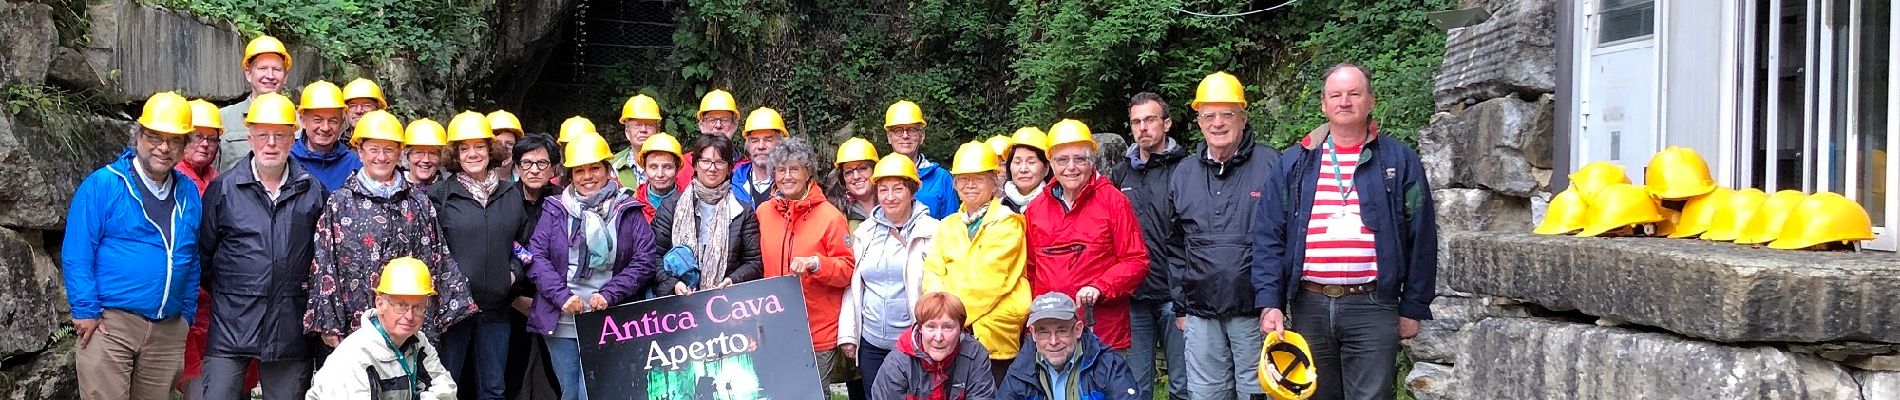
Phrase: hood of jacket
[302,152]
[1173,151]
[918,212]
[1241,156]
[814,197]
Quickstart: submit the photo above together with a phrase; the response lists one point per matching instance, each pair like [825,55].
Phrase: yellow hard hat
[576,127]
[265,44]
[662,142]
[1032,137]
[320,95]
[854,150]
[1069,131]
[1698,215]
[1766,224]
[424,132]
[1565,215]
[895,166]
[502,119]
[585,149]
[717,100]
[205,115]
[377,124]
[364,89]
[1823,218]
[271,108]
[762,119]
[1667,226]
[405,276]
[1677,173]
[166,112]
[1286,368]
[973,157]
[1732,214]
[1595,176]
[903,112]
[1000,145]
[640,107]
[1220,87]
[469,125]
[1619,205]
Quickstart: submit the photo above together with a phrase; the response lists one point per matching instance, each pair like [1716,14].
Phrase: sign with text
[747,341]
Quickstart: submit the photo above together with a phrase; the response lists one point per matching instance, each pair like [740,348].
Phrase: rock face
[130,40]
[1521,358]
[1715,291]
[28,295]
[1440,338]
[45,160]
[1429,381]
[1880,385]
[1513,52]
[27,40]
[1499,145]
[48,375]
[1481,210]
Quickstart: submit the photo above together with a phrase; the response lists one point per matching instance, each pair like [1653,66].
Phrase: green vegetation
[431,32]
[61,111]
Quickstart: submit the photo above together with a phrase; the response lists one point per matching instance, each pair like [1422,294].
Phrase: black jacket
[1213,205]
[257,254]
[481,239]
[1146,186]
[532,209]
[743,265]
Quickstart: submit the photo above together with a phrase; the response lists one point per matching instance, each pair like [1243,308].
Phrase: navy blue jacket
[1396,204]
[1104,374]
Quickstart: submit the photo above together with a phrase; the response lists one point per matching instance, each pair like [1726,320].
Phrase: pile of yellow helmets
[1681,200]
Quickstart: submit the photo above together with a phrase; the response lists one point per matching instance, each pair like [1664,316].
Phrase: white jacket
[346,374]
[876,233]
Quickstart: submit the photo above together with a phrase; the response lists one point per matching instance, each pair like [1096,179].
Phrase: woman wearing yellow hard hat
[979,254]
[199,159]
[848,186]
[591,250]
[422,152]
[661,159]
[480,222]
[1026,164]
[374,217]
[890,249]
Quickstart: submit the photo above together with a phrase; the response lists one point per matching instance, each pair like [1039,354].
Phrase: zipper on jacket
[165,296]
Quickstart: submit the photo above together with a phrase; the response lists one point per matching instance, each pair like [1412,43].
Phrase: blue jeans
[1355,343]
[565,353]
[871,360]
[1145,319]
[485,343]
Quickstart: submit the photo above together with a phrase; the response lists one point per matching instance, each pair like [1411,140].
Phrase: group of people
[325,238]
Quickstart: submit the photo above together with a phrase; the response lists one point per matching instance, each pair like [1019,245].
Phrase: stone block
[28,295]
[1439,339]
[1513,52]
[1716,291]
[1429,381]
[1481,210]
[1498,145]
[27,40]
[1879,385]
[44,161]
[1528,358]
[139,50]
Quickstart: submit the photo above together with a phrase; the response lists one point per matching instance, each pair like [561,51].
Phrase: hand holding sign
[597,302]
[572,306]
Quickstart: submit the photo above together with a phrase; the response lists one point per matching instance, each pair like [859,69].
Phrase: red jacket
[1097,243]
[810,227]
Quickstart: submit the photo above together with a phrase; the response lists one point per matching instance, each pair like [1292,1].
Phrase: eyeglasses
[534,165]
[710,164]
[1224,115]
[1045,335]
[378,150]
[1066,161]
[716,120]
[907,131]
[177,141]
[406,309]
[1148,120]
[788,169]
[270,138]
[860,169]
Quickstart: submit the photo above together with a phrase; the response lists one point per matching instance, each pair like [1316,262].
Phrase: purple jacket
[635,258]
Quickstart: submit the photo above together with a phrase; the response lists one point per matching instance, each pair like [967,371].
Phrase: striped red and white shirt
[1339,247]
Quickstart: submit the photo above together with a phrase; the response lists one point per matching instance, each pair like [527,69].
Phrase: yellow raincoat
[986,272]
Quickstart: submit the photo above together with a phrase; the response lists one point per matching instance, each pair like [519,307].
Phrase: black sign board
[748,341]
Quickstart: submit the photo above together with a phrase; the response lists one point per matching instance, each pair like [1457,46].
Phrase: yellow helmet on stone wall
[1766,224]
[1565,215]
[1824,218]
[1699,213]
[1620,205]
[1732,214]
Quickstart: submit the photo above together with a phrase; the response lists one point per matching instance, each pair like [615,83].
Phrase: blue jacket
[1104,375]
[742,186]
[937,190]
[1396,204]
[332,169]
[113,255]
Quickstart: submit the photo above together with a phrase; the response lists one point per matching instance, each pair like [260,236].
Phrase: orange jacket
[803,228]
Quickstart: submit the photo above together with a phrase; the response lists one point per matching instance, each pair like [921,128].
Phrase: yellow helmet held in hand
[205,115]
[1000,145]
[1032,137]
[424,132]
[504,120]
[1286,368]
[854,150]
[973,157]
[1677,173]
[575,128]
[662,142]
[1219,87]
[364,89]
[166,112]
[1565,215]
[1767,223]
[1824,218]
[265,44]
[377,124]
[717,100]
[1620,205]
[585,149]
[895,166]
[640,107]
[1069,131]
[405,276]
[273,109]
[764,119]
[1595,176]
[903,112]
[320,95]
[1732,214]
[1699,214]
[469,125]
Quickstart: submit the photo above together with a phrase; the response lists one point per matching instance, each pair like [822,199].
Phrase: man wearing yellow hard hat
[1359,257]
[321,150]
[751,179]
[361,96]
[266,65]
[390,345]
[507,131]
[641,118]
[130,262]
[904,128]
[718,114]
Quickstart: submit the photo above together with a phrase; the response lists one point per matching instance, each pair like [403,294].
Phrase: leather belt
[1338,290]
